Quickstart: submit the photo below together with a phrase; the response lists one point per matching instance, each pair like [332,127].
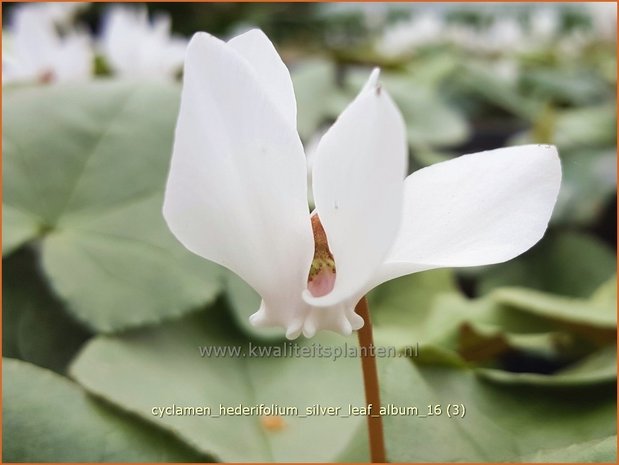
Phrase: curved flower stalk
[138,48]
[35,51]
[237,192]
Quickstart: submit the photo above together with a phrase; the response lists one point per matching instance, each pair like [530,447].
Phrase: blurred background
[529,345]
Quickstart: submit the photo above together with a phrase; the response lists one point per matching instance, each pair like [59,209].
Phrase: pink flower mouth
[321,278]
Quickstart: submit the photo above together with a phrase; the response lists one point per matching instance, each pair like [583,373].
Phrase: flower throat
[321,278]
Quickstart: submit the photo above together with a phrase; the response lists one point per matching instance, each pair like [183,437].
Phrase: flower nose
[321,278]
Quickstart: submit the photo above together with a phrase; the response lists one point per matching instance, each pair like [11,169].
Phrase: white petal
[339,318]
[74,60]
[258,50]
[236,192]
[35,40]
[123,32]
[358,175]
[475,210]
[13,70]
[161,26]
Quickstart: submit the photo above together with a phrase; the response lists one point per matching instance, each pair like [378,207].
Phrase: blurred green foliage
[97,290]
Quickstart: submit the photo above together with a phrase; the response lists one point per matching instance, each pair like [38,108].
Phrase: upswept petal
[358,175]
[236,192]
[273,74]
[477,209]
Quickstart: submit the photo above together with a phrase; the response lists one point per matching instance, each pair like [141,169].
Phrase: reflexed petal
[475,210]
[270,70]
[236,192]
[358,175]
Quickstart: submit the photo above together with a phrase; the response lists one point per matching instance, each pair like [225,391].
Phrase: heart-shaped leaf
[85,167]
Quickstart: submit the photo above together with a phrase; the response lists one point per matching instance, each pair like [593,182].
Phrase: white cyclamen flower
[237,192]
[138,48]
[35,51]
[604,19]
[545,24]
[406,37]
[504,35]
[63,12]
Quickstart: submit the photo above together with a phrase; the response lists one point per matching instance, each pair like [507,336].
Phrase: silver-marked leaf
[85,166]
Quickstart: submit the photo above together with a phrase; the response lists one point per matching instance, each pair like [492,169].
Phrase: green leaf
[426,309]
[404,312]
[87,164]
[501,422]
[319,99]
[17,228]
[589,183]
[578,87]
[357,451]
[477,80]
[568,263]
[430,122]
[162,366]
[576,129]
[36,327]
[602,450]
[600,367]
[47,418]
[433,68]
[606,294]
[244,301]
[482,342]
[565,309]
[586,127]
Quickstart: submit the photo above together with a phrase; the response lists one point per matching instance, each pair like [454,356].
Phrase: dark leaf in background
[35,325]
[501,422]
[565,263]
